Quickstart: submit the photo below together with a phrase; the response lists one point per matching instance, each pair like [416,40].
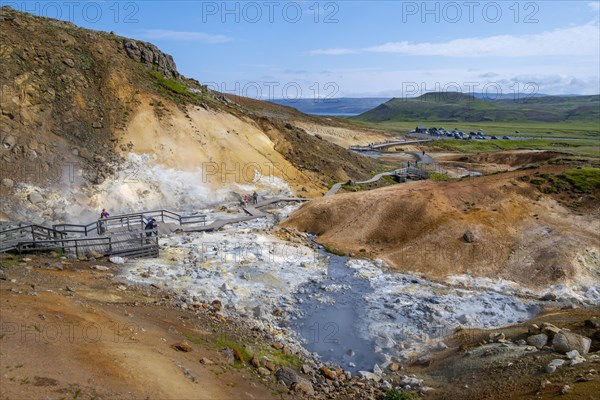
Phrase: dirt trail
[81,336]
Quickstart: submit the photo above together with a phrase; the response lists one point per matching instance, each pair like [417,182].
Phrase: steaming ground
[282,286]
[142,183]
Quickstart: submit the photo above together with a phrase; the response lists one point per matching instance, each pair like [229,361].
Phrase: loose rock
[538,341]
[564,342]
[184,346]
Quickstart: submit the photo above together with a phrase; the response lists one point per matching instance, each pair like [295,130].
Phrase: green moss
[437,176]
[584,179]
[173,86]
[394,394]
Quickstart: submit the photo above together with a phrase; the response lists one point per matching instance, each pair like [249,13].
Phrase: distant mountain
[337,106]
[509,96]
[460,107]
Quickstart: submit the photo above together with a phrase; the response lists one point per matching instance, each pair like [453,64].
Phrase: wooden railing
[9,238]
[131,244]
[109,236]
[129,221]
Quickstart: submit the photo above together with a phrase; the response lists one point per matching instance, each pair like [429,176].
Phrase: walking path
[253,211]
[384,145]
[124,238]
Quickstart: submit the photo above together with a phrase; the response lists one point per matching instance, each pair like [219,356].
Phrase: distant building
[421,129]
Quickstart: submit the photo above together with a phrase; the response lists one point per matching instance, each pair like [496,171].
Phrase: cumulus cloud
[583,40]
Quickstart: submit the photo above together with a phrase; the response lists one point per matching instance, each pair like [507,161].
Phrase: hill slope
[458,107]
[518,234]
[90,120]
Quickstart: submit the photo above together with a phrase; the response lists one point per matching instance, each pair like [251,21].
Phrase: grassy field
[539,130]
[583,147]
[544,136]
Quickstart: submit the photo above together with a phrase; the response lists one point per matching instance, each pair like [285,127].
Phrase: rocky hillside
[498,226]
[90,119]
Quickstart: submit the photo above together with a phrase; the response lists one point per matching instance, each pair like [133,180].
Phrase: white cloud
[583,40]
[184,36]
[333,52]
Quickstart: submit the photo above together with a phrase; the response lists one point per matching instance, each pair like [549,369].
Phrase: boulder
[303,386]
[277,345]
[217,305]
[565,342]
[306,369]
[328,373]
[270,365]
[9,142]
[6,182]
[578,360]
[411,381]
[263,371]
[287,375]
[377,370]
[117,260]
[550,329]
[551,367]
[35,198]
[184,346]
[538,340]
[69,62]
[369,376]
[572,354]
[469,237]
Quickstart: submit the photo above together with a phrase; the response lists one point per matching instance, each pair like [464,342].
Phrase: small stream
[352,312]
[332,312]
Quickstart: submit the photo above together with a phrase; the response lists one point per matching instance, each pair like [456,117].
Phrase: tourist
[245,199]
[151,227]
[102,225]
[255,197]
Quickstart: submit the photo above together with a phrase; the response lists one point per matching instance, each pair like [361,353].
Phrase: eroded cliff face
[90,118]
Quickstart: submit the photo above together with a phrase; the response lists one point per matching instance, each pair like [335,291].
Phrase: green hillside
[458,107]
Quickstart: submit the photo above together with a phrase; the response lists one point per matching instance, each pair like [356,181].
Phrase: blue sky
[310,49]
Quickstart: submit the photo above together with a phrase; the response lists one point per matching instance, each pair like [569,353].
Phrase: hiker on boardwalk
[102,225]
[245,199]
[255,197]
[151,227]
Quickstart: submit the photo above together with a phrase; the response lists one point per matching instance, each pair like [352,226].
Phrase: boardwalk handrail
[80,244]
[10,237]
[96,226]
[32,228]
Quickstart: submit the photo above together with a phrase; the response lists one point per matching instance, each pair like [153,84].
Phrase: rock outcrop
[150,55]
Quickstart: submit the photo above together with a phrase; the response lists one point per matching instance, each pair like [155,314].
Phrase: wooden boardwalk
[122,235]
[253,211]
